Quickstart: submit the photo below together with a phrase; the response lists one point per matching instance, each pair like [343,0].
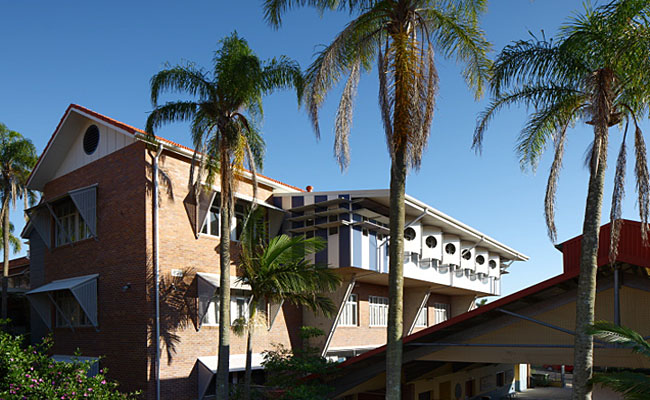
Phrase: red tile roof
[131,129]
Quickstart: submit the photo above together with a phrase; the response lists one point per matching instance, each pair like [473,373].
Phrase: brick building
[92,251]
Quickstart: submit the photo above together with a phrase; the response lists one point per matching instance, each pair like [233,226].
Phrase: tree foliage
[29,373]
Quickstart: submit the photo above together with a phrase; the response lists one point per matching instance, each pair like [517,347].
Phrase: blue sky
[102,54]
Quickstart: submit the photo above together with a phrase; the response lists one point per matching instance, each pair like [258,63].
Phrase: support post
[617,296]
[346,296]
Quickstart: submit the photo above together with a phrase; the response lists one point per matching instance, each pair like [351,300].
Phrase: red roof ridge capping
[133,130]
[470,314]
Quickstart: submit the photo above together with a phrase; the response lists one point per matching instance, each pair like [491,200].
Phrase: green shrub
[29,373]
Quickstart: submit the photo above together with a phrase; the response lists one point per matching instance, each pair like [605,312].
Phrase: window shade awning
[84,200]
[83,288]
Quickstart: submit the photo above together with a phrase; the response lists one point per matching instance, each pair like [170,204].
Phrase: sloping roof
[465,323]
[136,132]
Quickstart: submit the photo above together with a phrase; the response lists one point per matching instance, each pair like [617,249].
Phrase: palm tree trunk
[586,297]
[5,243]
[396,250]
[248,377]
[223,368]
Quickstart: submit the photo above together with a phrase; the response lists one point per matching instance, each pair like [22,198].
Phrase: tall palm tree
[277,270]
[632,385]
[17,158]
[402,36]
[14,242]
[596,72]
[224,112]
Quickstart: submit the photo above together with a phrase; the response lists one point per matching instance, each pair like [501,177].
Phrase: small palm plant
[632,385]
[277,270]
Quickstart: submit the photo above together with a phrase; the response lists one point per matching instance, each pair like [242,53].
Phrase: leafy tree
[29,373]
[402,36]
[286,370]
[278,271]
[17,158]
[224,111]
[632,385]
[596,72]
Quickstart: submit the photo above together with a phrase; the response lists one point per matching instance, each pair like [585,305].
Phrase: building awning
[83,288]
[214,280]
[207,368]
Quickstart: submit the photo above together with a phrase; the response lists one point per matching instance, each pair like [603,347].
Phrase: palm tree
[633,385]
[17,158]
[224,113]
[402,36]
[14,242]
[595,71]
[277,271]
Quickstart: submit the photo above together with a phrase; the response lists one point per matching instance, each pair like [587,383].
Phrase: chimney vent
[310,188]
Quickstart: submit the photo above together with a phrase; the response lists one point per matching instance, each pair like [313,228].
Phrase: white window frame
[442,311]
[71,227]
[238,215]
[206,228]
[378,310]
[350,313]
[211,316]
[422,320]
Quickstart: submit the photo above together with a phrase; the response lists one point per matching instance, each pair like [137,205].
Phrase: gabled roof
[136,133]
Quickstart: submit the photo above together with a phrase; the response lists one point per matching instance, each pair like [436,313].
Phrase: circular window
[480,260]
[91,139]
[450,248]
[409,234]
[493,264]
[467,254]
[431,242]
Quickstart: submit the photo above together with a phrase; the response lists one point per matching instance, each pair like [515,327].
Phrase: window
[423,317]
[349,316]
[240,217]
[91,139]
[211,316]
[492,264]
[424,396]
[212,224]
[501,379]
[450,248]
[71,227]
[467,254]
[238,309]
[378,311]
[431,242]
[409,234]
[469,388]
[334,230]
[441,312]
[69,310]
[480,260]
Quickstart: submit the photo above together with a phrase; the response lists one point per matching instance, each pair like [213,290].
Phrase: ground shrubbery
[29,373]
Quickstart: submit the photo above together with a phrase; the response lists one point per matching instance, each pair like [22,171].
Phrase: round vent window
[493,264]
[480,260]
[91,139]
[409,234]
[467,254]
[431,242]
[450,248]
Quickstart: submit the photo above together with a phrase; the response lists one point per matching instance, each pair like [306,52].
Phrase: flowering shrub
[28,373]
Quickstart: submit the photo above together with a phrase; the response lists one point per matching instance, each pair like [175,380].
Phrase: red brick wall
[118,256]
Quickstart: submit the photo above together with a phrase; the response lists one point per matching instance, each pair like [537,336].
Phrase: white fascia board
[468,230]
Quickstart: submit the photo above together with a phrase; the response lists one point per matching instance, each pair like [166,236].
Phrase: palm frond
[180,79]
[178,111]
[617,199]
[343,121]
[632,385]
[642,181]
[612,333]
[551,186]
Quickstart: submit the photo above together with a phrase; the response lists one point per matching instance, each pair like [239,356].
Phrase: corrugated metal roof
[63,284]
